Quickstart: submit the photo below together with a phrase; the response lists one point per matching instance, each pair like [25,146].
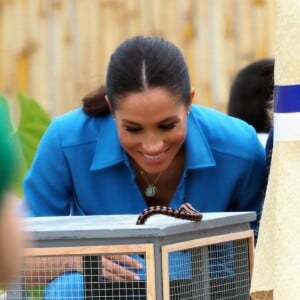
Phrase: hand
[115,268]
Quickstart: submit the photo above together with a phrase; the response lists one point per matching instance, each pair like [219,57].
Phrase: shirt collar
[109,151]
[198,150]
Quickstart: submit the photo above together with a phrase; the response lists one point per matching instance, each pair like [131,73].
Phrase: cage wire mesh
[81,277]
[211,272]
[208,272]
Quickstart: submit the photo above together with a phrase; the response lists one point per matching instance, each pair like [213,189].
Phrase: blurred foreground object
[10,239]
[7,152]
[276,272]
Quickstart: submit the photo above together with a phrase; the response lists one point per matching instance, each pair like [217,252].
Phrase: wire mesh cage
[83,273]
[178,259]
[211,268]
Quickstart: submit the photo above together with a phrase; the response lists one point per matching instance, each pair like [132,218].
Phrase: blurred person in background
[250,95]
[10,236]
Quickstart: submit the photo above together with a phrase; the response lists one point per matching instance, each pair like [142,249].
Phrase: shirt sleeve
[48,187]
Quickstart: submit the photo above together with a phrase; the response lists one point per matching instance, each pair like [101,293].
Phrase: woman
[139,141]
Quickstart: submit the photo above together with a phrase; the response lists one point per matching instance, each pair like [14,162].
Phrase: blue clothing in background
[269,148]
[70,285]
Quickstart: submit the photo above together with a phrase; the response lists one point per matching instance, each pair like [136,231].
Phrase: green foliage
[35,293]
[5,108]
[33,122]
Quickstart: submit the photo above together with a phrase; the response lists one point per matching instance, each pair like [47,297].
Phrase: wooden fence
[57,50]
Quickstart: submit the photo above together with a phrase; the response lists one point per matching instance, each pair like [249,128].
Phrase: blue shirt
[80,167]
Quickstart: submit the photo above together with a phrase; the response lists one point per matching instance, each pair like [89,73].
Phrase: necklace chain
[151,190]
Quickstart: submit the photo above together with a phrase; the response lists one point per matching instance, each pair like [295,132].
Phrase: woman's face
[151,127]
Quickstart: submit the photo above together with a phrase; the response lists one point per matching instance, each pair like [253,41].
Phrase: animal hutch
[179,259]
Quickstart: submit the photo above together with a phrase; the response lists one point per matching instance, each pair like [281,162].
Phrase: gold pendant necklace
[151,190]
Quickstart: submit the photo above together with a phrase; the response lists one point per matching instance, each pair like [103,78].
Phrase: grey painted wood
[123,226]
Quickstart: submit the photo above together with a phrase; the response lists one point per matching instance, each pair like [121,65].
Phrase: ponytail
[95,105]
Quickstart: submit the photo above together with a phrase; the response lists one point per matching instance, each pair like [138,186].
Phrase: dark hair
[251,93]
[138,64]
